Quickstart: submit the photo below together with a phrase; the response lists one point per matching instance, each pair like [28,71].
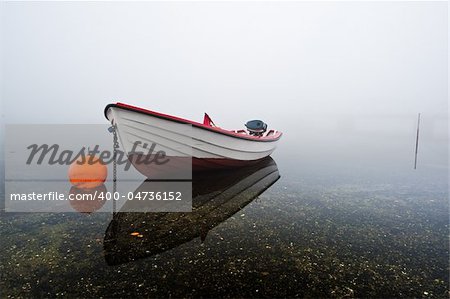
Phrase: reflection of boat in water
[215,198]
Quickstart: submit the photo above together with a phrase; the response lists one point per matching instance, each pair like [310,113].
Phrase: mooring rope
[113,129]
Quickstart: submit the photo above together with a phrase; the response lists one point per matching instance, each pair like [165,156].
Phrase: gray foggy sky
[63,62]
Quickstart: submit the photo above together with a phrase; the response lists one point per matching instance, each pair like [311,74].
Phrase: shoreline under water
[320,235]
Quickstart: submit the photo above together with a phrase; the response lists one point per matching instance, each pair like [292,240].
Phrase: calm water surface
[336,224]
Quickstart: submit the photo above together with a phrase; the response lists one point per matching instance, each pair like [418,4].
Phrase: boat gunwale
[123,106]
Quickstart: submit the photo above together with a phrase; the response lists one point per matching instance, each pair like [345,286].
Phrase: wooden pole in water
[417,141]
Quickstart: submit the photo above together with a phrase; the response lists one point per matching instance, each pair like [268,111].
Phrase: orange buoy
[87,200]
[87,172]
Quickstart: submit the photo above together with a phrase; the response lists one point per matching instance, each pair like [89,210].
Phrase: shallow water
[335,224]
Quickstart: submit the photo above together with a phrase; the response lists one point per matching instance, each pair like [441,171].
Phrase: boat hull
[184,143]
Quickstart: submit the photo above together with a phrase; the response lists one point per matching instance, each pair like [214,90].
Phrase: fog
[316,71]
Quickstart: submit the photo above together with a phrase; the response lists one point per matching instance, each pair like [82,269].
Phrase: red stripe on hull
[180,167]
[213,164]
